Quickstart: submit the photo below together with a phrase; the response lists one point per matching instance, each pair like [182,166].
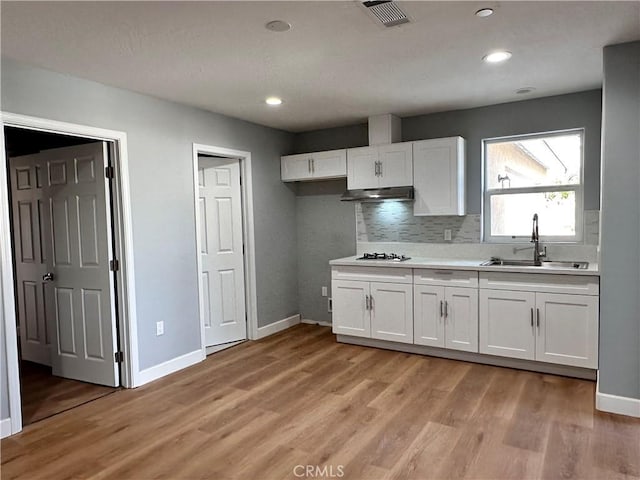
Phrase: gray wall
[331,138]
[160,136]
[581,109]
[620,232]
[561,112]
[325,231]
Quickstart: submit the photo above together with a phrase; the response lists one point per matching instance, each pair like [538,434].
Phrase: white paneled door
[221,249]
[73,236]
[30,257]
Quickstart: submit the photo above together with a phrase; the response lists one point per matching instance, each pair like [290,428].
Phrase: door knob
[47,277]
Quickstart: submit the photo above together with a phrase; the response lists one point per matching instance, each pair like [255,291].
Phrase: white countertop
[459,264]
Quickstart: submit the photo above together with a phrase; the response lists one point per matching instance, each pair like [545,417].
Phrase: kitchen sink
[500,262]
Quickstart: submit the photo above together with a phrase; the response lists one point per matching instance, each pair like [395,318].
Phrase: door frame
[123,233]
[248,235]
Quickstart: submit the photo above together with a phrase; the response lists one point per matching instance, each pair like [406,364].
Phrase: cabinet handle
[376,168]
[309,165]
[370,302]
[538,318]
[446,309]
[313,165]
[441,311]
[380,168]
[366,302]
[531,316]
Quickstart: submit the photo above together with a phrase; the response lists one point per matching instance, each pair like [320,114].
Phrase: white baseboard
[313,322]
[278,326]
[158,371]
[5,427]
[606,402]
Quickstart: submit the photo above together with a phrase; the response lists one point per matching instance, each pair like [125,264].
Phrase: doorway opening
[224,242]
[60,204]
[68,187]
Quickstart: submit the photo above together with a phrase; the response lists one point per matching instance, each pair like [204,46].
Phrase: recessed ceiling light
[497,57]
[278,26]
[524,90]
[273,101]
[484,12]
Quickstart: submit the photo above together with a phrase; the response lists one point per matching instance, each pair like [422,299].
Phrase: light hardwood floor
[44,395]
[299,398]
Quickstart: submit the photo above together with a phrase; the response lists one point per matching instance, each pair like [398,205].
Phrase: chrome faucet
[535,239]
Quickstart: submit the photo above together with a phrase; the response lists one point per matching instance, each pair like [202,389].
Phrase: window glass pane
[539,161]
[512,214]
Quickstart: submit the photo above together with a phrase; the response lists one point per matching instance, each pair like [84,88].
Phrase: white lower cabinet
[507,323]
[546,327]
[446,317]
[568,331]
[391,307]
[351,308]
[539,317]
[380,310]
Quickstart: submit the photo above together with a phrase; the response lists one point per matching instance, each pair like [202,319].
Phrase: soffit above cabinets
[334,67]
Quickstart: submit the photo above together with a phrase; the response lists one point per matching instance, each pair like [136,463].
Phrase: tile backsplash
[394,222]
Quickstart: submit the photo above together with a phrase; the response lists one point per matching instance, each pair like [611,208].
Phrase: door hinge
[119,357]
[108,171]
[114,265]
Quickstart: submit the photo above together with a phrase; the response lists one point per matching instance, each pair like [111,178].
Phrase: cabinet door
[568,331]
[461,319]
[331,164]
[396,169]
[428,315]
[295,167]
[392,312]
[361,168]
[438,176]
[350,313]
[507,326]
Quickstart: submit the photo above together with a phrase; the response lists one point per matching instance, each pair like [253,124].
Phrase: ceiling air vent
[386,12]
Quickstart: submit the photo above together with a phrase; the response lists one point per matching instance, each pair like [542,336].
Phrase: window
[539,173]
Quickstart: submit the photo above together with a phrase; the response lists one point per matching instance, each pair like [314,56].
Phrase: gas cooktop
[389,257]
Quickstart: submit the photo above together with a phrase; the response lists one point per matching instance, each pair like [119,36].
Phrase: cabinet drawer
[372,274]
[447,278]
[536,282]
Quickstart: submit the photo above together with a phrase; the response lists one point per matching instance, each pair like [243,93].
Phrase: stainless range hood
[401,194]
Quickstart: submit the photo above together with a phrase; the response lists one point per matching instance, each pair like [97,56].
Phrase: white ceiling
[335,66]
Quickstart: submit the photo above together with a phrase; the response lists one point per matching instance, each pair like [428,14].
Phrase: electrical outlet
[159,328]
[447,235]
[329,305]
[324,291]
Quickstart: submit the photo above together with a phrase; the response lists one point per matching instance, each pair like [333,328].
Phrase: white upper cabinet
[439,176]
[362,168]
[395,165]
[295,167]
[314,166]
[380,166]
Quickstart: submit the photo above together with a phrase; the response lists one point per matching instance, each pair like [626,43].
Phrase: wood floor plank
[44,394]
[299,398]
